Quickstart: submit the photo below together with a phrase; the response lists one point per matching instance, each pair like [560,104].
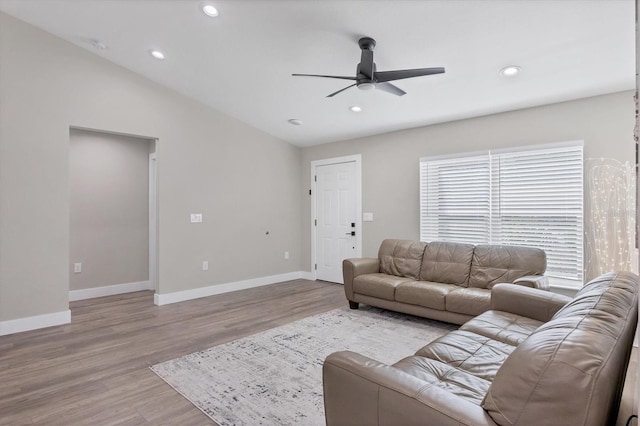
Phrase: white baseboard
[109,290]
[306,275]
[196,293]
[34,322]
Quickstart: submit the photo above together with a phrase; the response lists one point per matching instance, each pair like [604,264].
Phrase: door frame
[153,222]
[357,159]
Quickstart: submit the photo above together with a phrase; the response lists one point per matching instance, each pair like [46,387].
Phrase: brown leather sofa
[444,281]
[536,358]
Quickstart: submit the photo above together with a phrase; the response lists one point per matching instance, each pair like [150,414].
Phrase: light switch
[367,217]
[196,217]
[77,268]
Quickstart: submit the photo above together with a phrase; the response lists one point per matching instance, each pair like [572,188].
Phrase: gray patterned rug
[275,377]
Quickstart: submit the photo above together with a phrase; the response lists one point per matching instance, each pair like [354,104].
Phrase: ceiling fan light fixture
[209,10]
[157,54]
[510,71]
[367,86]
[355,108]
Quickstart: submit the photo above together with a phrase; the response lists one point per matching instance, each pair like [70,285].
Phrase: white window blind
[530,197]
[455,206]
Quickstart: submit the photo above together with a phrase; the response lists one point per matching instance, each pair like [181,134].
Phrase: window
[530,196]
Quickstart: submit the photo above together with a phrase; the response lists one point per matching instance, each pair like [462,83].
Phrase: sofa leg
[353,305]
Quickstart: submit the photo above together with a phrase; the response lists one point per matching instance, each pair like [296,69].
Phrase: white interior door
[337,219]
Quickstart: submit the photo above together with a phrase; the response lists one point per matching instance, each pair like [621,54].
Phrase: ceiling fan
[367,77]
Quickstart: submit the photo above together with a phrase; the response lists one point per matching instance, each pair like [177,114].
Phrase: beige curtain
[609,216]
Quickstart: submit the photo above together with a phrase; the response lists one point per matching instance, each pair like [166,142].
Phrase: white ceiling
[241,62]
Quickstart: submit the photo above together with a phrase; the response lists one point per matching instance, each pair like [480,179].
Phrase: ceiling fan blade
[341,90]
[326,76]
[383,76]
[390,88]
[366,64]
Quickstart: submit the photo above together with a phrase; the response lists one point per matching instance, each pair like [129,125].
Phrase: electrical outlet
[286,255]
[77,268]
[196,217]
[205,265]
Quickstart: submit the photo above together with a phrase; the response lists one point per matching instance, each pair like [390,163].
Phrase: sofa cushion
[401,258]
[468,301]
[445,377]
[502,326]
[423,293]
[494,264]
[579,358]
[473,353]
[382,286]
[447,263]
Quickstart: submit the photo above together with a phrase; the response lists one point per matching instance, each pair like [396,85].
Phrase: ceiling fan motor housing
[363,82]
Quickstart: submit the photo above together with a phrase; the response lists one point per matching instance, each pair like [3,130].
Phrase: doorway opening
[112,209]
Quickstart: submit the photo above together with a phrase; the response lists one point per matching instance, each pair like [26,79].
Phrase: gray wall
[109,209]
[243,181]
[390,161]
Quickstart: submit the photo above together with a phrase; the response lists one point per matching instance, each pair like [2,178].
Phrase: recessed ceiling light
[510,71]
[295,122]
[355,108]
[209,10]
[157,54]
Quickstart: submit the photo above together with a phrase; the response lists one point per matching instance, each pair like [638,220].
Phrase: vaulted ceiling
[241,61]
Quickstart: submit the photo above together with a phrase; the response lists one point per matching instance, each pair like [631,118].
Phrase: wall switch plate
[205,265]
[196,217]
[286,255]
[367,217]
[77,268]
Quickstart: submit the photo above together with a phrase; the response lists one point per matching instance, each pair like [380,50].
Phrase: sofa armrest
[534,281]
[360,390]
[351,268]
[528,302]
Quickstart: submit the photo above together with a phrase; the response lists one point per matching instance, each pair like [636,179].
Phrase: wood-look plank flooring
[95,371]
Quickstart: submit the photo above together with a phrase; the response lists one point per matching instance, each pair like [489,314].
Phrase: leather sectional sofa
[444,281]
[535,358]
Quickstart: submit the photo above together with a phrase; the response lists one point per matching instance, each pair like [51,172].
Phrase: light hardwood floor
[94,371]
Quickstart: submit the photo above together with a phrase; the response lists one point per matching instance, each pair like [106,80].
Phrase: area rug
[275,377]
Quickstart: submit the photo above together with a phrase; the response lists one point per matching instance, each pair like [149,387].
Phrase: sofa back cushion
[571,369]
[401,258]
[447,263]
[494,264]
